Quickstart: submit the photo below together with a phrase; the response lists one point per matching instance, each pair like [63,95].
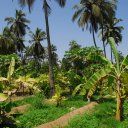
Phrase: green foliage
[27,100]
[5,107]
[58,95]
[34,116]
[27,83]
[73,79]
[5,62]
[38,101]
[91,83]
[101,117]
[76,57]
[125,110]
[43,84]
[3,97]
[74,101]
[109,71]
[115,52]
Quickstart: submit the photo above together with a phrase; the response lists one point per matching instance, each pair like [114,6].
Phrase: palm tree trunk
[111,55]
[119,102]
[51,75]
[103,43]
[93,34]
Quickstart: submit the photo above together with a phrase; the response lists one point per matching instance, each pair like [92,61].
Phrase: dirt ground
[19,109]
[15,98]
[63,120]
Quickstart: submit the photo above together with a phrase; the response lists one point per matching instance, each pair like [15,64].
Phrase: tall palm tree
[107,9]
[111,29]
[36,49]
[6,42]
[47,11]
[91,13]
[18,25]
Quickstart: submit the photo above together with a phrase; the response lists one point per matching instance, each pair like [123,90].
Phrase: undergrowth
[40,112]
[103,116]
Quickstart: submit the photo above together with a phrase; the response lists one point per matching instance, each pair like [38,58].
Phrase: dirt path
[15,98]
[19,109]
[63,120]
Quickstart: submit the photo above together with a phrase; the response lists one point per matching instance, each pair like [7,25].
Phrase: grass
[103,116]
[41,113]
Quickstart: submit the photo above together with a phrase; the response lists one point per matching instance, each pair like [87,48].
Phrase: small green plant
[58,96]
[38,101]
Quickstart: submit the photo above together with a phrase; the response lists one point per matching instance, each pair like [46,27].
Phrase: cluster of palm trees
[99,15]
[96,15]
[14,33]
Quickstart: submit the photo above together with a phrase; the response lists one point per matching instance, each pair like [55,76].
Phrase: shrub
[38,101]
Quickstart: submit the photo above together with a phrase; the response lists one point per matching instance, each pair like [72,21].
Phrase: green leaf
[77,88]
[115,52]
[7,107]
[58,90]
[125,63]
[111,80]
[96,10]
[91,83]
[99,58]
[3,97]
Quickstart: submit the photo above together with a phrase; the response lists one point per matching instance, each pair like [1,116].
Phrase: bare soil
[15,98]
[64,120]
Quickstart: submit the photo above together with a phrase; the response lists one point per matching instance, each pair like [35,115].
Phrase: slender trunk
[119,102]
[103,42]
[51,75]
[93,34]
[23,63]
[111,55]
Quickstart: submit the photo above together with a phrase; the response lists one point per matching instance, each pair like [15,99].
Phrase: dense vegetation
[103,116]
[55,87]
[43,111]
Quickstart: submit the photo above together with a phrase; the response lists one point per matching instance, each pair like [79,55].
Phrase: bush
[38,101]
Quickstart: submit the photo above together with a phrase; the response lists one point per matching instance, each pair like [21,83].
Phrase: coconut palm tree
[6,42]
[111,29]
[92,13]
[18,25]
[36,49]
[47,11]
[107,9]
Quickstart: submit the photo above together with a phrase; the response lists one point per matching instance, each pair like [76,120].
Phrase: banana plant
[58,95]
[6,81]
[28,83]
[114,74]
[11,69]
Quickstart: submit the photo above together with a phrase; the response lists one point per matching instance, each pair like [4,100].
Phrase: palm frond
[61,2]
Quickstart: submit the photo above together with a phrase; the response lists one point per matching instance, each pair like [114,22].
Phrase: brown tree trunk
[119,102]
[111,56]
[103,43]
[51,75]
[93,34]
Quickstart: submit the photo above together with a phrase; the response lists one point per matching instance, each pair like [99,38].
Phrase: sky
[62,29]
